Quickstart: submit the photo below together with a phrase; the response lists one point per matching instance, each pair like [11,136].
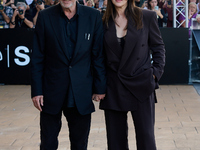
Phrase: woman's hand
[198,19]
[190,14]
[158,12]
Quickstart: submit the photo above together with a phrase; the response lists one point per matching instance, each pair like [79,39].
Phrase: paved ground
[177,121]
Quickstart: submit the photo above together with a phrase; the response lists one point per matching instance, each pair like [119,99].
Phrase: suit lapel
[57,24]
[132,37]
[111,39]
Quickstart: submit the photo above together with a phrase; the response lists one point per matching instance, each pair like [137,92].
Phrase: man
[6,13]
[67,71]
[19,18]
[35,7]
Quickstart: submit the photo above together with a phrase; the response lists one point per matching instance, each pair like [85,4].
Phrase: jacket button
[70,67]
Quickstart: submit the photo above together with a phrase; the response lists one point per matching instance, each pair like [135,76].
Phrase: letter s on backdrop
[21,55]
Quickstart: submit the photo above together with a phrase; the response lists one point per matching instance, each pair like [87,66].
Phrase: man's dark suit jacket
[130,75]
[51,68]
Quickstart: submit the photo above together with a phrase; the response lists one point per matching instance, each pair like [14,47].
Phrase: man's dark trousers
[79,127]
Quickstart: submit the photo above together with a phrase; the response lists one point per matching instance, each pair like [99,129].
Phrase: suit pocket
[140,85]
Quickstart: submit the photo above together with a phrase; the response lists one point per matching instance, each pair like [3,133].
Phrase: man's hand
[98,97]
[38,102]
[40,7]
[2,11]
[22,15]
[15,13]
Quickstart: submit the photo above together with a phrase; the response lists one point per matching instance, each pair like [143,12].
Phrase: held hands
[98,97]
[38,102]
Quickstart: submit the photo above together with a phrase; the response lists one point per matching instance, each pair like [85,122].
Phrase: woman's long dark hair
[131,11]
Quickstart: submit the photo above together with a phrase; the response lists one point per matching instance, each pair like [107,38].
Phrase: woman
[168,7]
[192,13]
[89,3]
[130,34]
[153,5]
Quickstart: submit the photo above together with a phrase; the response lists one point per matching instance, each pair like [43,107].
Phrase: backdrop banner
[16,47]
[176,69]
[15,50]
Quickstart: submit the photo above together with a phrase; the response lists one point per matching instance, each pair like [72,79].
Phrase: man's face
[21,7]
[67,3]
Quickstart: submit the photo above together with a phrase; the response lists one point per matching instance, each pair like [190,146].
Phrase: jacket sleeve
[37,58]
[99,82]
[157,47]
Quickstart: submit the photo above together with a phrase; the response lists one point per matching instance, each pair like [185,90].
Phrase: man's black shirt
[71,29]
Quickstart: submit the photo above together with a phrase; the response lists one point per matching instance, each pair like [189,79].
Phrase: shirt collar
[77,9]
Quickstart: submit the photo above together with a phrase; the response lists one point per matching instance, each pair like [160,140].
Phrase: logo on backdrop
[1,56]
[21,56]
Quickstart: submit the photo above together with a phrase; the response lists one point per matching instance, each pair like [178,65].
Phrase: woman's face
[153,3]
[89,3]
[105,3]
[120,3]
[192,8]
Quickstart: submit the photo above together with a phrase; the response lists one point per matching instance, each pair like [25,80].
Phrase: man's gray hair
[21,4]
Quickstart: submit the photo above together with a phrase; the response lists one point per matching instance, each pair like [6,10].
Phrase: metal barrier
[194,62]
